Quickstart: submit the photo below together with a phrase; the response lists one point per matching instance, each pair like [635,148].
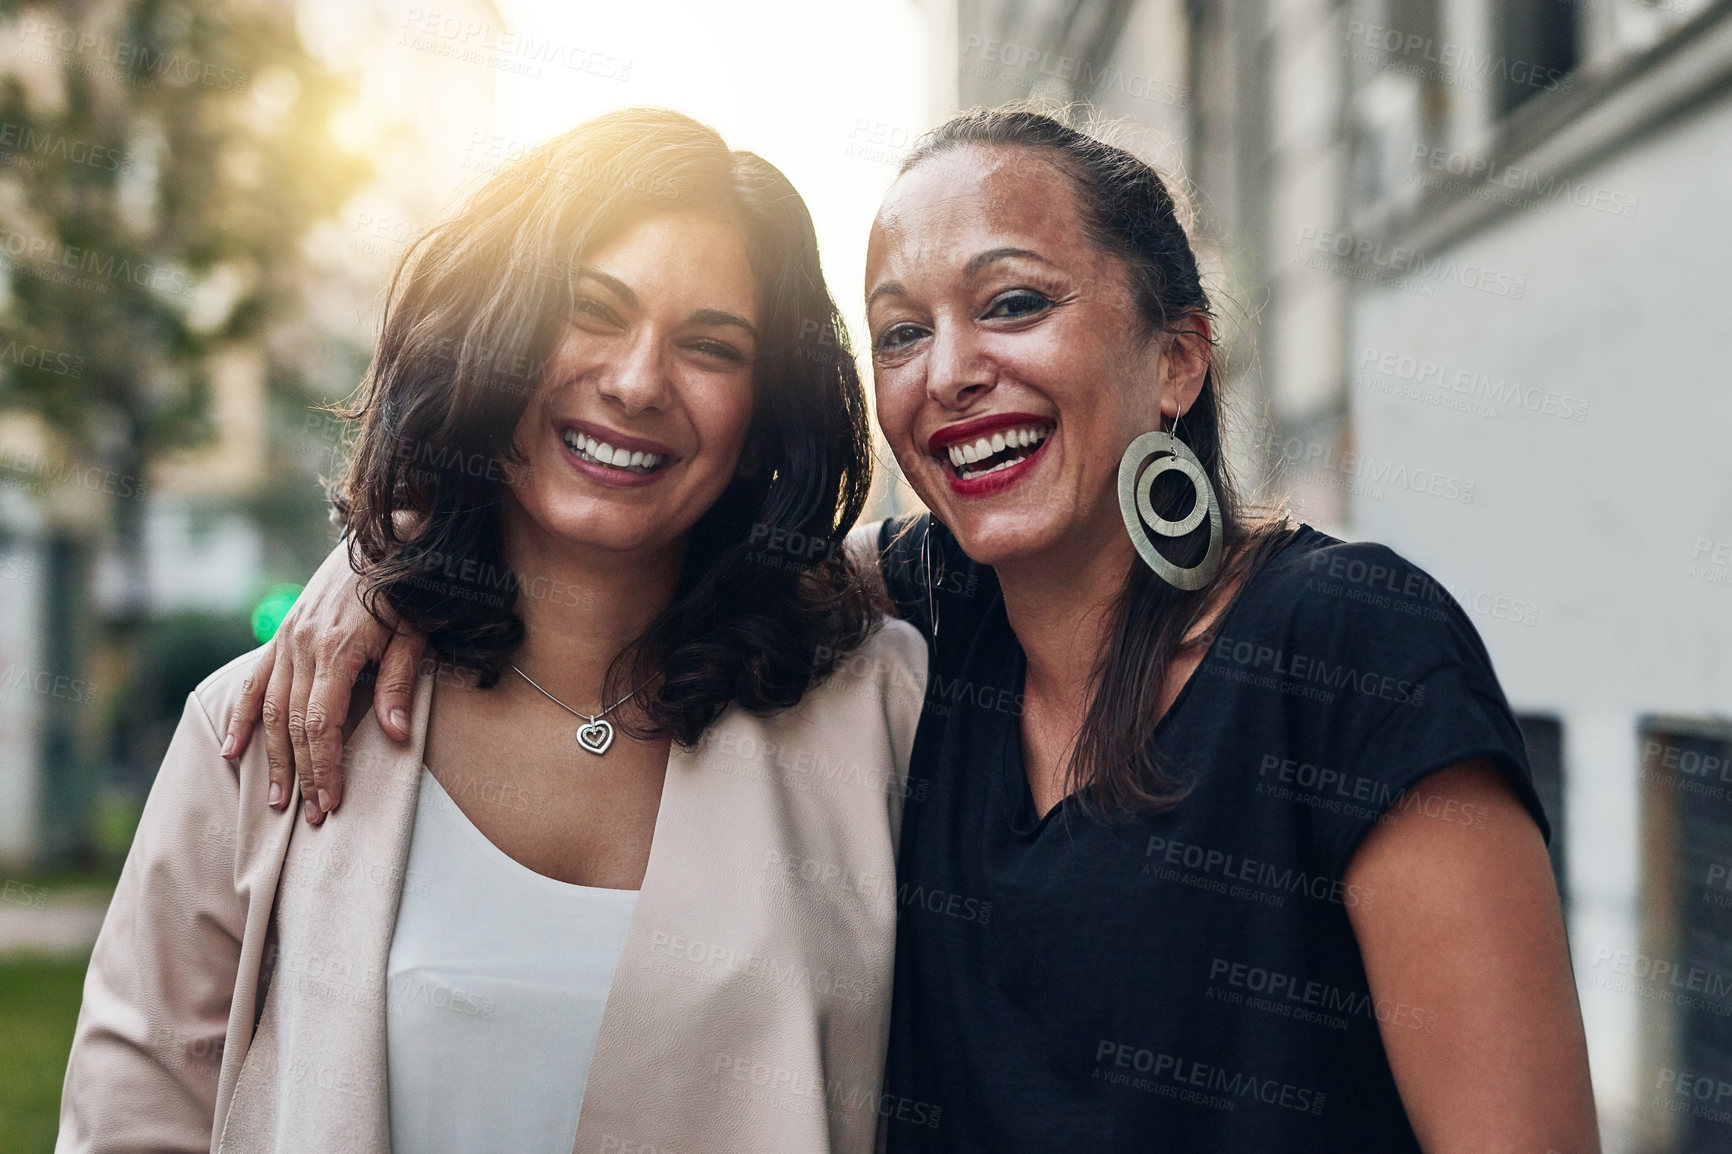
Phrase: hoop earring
[1136,484]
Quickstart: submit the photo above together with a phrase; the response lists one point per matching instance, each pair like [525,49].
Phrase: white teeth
[605,454]
[962,456]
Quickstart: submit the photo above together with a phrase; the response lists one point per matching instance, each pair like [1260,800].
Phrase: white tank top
[496,981]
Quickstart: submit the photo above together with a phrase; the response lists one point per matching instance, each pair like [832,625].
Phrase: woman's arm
[1463,928]
[303,680]
[149,1041]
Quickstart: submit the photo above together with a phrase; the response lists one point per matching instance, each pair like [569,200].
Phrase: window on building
[1682,973]
[1536,45]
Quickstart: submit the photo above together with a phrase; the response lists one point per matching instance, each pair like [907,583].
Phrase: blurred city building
[1470,260]
[219,522]
[437,100]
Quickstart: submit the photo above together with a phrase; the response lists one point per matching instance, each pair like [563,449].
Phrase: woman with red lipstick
[1263,860]
[1224,837]
[580,899]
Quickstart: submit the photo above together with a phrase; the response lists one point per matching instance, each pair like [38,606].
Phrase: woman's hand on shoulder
[303,680]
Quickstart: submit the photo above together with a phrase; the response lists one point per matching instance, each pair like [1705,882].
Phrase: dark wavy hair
[471,317]
[1116,768]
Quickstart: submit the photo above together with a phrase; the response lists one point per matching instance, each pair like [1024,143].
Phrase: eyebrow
[888,288]
[701,317]
[981,260]
[619,287]
[978,262]
[719,317]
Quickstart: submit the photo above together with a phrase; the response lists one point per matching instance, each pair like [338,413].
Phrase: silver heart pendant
[596,736]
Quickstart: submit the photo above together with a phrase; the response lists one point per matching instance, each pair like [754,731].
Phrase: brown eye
[719,350]
[590,307]
[895,337]
[1017,303]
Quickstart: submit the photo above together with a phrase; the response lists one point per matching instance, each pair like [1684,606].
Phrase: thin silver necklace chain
[592,718]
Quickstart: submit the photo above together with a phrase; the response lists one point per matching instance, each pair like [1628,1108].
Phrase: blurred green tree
[161,163]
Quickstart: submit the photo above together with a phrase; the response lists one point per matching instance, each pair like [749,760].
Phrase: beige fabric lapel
[263,837]
[750,1007]
[751,1003]
[314,1078]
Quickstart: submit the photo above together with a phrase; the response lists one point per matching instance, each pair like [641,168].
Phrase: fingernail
[400,719]
[324,801]
[311,812]
[229,745]
[276,796]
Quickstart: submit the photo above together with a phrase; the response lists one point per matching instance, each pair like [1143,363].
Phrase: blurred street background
[1471,260]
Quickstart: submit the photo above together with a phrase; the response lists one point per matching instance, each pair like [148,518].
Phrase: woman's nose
[638,380]
[957,374]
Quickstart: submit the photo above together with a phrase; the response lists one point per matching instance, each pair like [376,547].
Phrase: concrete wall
[1592,419]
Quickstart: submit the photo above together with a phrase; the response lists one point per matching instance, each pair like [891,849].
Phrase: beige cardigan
[749,1011]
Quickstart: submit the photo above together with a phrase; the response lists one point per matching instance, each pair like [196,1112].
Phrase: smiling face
[1012,365]
[638,421]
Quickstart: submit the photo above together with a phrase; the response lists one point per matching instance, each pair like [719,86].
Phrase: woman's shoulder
[896,640]
[219,692]
[207,808]
[890,662]
[1350,629]
[1381,676]
[856,726]
[1335,593]
[1311,558]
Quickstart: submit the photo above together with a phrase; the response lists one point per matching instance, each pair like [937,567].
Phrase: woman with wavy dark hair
[584,897]
[1226,838]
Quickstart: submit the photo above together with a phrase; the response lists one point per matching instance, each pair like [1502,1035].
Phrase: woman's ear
[1185,362]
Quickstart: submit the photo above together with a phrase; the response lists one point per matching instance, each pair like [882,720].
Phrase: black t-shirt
[1187,981]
